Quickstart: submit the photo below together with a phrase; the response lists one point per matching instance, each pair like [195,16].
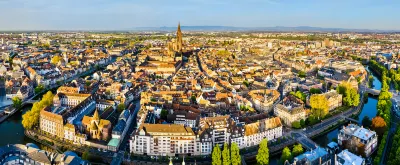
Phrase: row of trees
[31,117]
[288,155]
[230,155]
[394,154]
[350,94]
[383,107]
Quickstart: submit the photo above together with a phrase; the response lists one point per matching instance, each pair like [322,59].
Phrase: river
[369,110]
[11,130]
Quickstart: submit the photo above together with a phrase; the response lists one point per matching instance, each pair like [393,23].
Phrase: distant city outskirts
[200,97]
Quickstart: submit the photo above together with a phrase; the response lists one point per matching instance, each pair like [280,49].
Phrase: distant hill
[272,29]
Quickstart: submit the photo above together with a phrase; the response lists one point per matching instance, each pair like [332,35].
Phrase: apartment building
[353,137]
[291,109]
[162,139]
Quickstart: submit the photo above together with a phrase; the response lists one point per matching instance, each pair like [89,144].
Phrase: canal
[368,110]
[11,130]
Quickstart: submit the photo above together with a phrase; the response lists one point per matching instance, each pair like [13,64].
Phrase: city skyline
[125,15]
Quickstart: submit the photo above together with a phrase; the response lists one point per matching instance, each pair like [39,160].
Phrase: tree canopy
[297,150]
[216,155]
[350,94]
[235,156]
[286,155]
[263,153]
[31,117]
[319,105]
[226,158]
[55,59]
[17,102]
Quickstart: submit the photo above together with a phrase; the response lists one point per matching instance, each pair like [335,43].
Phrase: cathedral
[175,46]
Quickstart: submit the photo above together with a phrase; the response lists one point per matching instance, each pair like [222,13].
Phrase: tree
[366,122]
[263,153]
[235,156]
[120,107]
[216,155]
[17,102]
[226,158]
[296,124]
[55,59]
[350,94]
[286,155]
[378,125]
[302,123]
[315,91]
[319,105]
[297,150]
[39,88]
[302,74]
[164,114]
[31,117]
[85,155]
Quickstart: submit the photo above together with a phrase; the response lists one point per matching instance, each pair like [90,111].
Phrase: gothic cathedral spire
[179,40]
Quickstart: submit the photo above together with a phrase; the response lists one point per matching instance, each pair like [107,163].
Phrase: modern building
[358,139]
[347,158]
[318,156]
[164,139]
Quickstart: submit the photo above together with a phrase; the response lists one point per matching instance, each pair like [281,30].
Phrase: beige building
[334,99]
[51,123]
[263,100]
[291,109]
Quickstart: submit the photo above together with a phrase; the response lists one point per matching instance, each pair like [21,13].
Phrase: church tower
[179,38]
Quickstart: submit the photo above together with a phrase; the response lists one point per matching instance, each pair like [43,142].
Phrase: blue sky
[125,14]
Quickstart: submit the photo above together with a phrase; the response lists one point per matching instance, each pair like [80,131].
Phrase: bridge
[374,92]
[368,90]
[30,101]
[351,119]
[304,140]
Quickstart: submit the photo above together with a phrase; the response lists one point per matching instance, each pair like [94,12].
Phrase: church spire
[96,116]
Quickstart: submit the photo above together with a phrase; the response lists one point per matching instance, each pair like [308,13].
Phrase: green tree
[297,150]
[366,122]
[319,105]
[164,114]
[216,155]
[226,158]
[120,107]
[85,155]
[315,91]
[235,156]
[286,155]
[262,156]
[302,123]
[17,102]
[39,88]
[296,124]
[302,74]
